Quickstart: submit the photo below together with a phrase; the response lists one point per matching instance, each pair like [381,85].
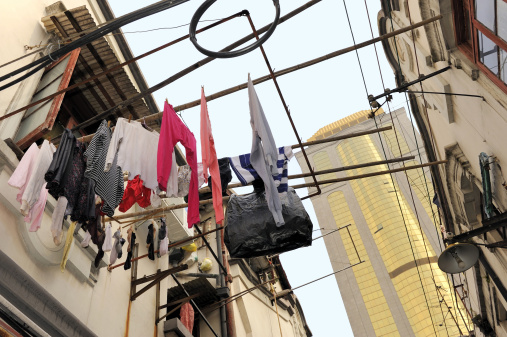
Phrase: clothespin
[166,101]
[108,124]
[130,118]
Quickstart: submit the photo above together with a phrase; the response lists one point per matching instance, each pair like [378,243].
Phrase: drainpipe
[223,318]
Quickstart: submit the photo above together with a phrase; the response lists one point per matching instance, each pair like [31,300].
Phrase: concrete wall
[460,127]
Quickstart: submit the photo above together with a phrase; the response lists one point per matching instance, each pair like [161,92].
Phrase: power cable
[392,180]
[88,38]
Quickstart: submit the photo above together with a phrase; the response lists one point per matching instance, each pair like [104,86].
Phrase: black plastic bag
[251,230]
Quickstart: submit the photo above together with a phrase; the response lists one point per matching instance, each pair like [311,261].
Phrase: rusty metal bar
[157,280]
[287,111]
[119,66]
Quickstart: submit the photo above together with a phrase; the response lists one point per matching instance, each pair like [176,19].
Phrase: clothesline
[322,182]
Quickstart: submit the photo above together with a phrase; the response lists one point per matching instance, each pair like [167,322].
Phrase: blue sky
[316,96]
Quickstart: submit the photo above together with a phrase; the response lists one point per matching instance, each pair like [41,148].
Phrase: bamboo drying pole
[323,182]
[279,73]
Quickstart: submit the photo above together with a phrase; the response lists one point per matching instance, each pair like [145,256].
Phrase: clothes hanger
[130,118]
[144,125]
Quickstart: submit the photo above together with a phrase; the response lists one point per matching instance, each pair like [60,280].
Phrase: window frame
[39,131]
[471,51]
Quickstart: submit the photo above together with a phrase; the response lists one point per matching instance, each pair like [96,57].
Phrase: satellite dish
[458,257]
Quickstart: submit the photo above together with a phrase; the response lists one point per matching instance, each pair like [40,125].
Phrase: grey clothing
[264,154]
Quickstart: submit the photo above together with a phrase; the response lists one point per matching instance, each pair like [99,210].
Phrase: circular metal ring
[204,7]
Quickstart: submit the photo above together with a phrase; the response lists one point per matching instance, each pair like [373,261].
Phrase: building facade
[470,39]
[36,297]
[398,290]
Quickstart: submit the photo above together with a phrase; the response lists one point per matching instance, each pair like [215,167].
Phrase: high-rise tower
[399,289]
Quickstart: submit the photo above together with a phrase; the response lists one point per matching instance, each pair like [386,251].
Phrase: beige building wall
[83,296]
[459,129]
[387,295]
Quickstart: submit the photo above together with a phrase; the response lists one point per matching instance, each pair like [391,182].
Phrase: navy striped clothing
[108,185]
[246,173]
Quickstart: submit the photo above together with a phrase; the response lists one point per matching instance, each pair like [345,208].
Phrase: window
[481,33]
[40,119]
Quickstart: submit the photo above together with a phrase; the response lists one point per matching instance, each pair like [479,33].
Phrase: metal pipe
[211,249]
[406,85]
[221,279]
[215,276]
[445,93]
[195,305]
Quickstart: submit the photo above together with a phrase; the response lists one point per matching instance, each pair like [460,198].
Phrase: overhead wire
[385,155]
[439,233]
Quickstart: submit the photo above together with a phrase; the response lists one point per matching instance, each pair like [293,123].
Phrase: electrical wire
[385,155]
[88,38]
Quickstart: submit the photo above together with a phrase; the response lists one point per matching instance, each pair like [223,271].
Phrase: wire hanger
[144,125]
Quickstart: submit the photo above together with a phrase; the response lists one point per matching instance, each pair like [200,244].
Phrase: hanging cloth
[187,316]
[55,176]
[20,177]
[108,185]
[172,131]
[264,154]
[33,199]
[108,245]
[135,192]
[132,242]
[115,252]
[150,242]
[163,241]
[209,160]
[136,151]
[246,173]
[68,244]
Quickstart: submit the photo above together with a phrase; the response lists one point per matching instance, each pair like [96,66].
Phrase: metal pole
[406,85]
[211,249]
[195,305]
[444,93]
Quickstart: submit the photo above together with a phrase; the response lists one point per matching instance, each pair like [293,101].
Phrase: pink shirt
[209,160]
[173,131]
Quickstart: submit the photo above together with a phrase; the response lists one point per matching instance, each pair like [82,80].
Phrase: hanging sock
[116,247]
[132,243]
[122,242]
[57,220]
[86,240]
[68,243]
[100,253]
[150,242]
[264,154]
[163,241]
[209,160]
[108,245]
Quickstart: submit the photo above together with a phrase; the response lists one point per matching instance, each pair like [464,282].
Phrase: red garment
[187,316]
[209,160]
[173,131]
[135,192]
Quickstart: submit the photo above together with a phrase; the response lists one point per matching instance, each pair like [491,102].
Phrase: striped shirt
[246,173]
[108,185]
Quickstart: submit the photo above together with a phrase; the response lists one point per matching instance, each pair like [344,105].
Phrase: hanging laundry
[108,245]
[163,241]
[184,176]
[70,187]
[94,226]
[209,160]
[86,240]
[57,220]
[33,200]
[84,209]
[100,254]
[58,168]
[35,161]
[108,185]
[225,175]
[135,192]
[172,131]
[264,154]
[132,242]
[155,199]
[187,316]
[116,251]
[68,244]
[246,173]
[20,177]
[200,175]
[172,182]
[136,151]
[122,242]
[150,242]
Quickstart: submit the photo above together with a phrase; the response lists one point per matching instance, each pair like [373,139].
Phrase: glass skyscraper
[399,289]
